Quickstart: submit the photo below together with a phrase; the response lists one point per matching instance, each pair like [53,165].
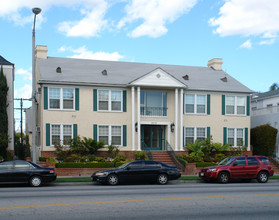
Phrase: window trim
[109,100]
[235,136]
[61,107]
[195,133]
[110,134]
[61,134]
[195,104]
[235,105]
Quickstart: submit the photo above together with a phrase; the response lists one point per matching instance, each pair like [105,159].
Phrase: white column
[139,130]
[176,120]
[181,119]
[133,118]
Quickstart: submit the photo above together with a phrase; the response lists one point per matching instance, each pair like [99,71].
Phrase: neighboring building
[138,106]
[9,72]
[265,110]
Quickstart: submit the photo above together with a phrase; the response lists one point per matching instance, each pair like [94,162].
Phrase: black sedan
[20,171]
[138,171]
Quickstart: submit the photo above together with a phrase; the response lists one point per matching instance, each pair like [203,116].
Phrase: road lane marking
[135,200]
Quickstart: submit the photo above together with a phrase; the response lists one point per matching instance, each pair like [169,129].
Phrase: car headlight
[102,174]
[212,169]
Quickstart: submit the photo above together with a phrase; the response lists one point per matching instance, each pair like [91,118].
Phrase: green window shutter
[183,136]
[77,99]
[124,135]
[208,132]
[248,106]
[124,101]
[95,132]
[75,133]
[94,99]
[246,136]
[208,104]
[45,98]
[223,104]
[47,134]
[224,135]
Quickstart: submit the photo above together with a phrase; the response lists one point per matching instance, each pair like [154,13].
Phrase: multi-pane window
[61,134]
[235,105]
[236,136]
[110,134]
[194,133]
[195,104]
[153,103]
[110,100]
[61,98]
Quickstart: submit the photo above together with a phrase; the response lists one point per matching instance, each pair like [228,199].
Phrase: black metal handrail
[174,157]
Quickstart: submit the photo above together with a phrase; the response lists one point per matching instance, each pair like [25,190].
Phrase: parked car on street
[138,171]
[245,168]
[21,171]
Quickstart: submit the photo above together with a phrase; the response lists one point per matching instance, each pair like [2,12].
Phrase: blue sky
[181,32]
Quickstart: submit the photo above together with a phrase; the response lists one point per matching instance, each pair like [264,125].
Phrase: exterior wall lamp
[136,127]
[172,127]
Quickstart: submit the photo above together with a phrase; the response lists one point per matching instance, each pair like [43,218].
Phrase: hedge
[87,165]
[205,164]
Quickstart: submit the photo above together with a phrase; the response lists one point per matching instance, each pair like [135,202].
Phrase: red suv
[246,168]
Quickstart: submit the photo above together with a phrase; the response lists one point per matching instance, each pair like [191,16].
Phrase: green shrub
[139,155]
[42,159]
[121,158]
[220,157]
[1,158]
[87,165]
[9,156]
[181,161]
[205,164]
[263,139]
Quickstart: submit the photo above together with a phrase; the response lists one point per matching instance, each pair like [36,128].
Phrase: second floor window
[61,98]
[195,104]
[153,103]
[109,100]
[235,105]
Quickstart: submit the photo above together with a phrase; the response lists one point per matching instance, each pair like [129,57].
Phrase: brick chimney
[215,63]
[41,52]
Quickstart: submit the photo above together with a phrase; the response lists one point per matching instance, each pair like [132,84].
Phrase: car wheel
[35,181]
[223,177]
[112,179]
[262,177]
[162,179]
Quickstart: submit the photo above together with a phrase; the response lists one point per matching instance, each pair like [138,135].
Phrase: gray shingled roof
[265,94]
[82,71]
[3,61]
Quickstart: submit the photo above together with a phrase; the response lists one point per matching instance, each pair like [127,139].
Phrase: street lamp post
[36,11]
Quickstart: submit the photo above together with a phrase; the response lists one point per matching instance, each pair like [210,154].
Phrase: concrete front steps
[163,156]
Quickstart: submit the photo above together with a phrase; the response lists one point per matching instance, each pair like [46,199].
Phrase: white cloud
[246,18]
[156,14]
[24,92]
[92,12]
[84,53]
[27,74]
[267,42]
[247,44]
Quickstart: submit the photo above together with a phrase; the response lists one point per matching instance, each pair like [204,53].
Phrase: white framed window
[194,133]
[110,134]
[61,134]
[195,104]
[235,105]
[109,100]
[61,98]
[236,136]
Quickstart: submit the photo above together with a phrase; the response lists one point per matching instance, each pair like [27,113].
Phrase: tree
[4,138]
[274,86]
[263,139]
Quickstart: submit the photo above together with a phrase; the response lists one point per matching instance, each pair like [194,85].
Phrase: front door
[152,137]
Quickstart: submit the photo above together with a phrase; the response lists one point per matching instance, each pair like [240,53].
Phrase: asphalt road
[172,201]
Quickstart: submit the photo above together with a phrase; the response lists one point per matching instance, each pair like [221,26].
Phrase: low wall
[76,171]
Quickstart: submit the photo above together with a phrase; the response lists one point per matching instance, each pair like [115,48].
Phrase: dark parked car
[245,168]
[21,171]
[138,171]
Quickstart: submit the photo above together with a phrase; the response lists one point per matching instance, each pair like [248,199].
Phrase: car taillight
[51,171]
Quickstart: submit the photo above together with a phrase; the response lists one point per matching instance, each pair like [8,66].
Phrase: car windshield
[226,161]
[124,165]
